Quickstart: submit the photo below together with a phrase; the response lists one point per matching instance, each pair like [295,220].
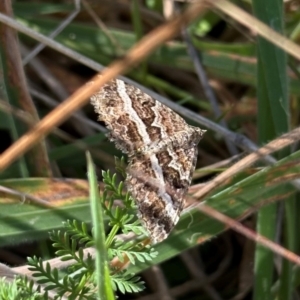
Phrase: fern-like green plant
[133,251]
[20,288]
[77,279]
[127,283]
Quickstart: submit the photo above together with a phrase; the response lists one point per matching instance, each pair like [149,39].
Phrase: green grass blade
[237,201]
[21,219]
[221,59]
[138,29]
[273,120]
[105,290]
[21,223]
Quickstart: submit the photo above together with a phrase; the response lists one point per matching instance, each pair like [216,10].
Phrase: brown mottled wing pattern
[162,150]
[161,202]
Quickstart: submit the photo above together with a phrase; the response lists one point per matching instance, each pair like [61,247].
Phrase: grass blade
[272,121]
[105,291]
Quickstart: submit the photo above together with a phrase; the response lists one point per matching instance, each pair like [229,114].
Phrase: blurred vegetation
[257,90]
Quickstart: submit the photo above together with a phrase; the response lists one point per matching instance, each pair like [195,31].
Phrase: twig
[54,33]
[209,93]
[81,96]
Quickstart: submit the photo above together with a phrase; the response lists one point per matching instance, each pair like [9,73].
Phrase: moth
[161,149]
